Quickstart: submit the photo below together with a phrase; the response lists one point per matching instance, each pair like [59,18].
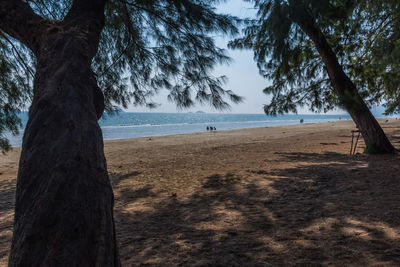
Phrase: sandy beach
[273,196]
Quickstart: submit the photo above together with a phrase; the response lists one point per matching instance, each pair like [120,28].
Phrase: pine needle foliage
[377,66]
[359,32]
[145,46]
[15,89]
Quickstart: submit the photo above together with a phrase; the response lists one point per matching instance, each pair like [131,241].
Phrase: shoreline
[380,120]
[225,131]
[153,128]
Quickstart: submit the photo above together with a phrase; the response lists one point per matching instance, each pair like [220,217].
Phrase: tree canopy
[145,46]
[362,34]
[377,65]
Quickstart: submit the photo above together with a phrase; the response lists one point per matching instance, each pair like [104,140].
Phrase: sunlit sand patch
[151,257]
[138,206]
[269,215]
[224,220]
[7,216]
[356,232]
[325,224]
[184,245]
[272,244]
[388,231]
[265,183]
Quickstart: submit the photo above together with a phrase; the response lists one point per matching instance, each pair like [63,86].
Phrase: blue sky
[242,73]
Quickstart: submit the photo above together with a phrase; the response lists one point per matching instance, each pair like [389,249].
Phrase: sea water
[133,124]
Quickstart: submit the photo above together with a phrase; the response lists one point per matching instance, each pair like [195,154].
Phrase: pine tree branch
[48,10]
[18,20]
[158,16]
[117,59]
[19,57]
[85,11]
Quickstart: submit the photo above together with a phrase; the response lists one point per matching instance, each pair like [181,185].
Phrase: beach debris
[301,120]
[150,139]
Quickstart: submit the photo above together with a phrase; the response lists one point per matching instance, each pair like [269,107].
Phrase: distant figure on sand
[215,129]
[301,120]
[208,128]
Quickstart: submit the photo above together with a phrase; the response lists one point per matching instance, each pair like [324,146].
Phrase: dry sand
[287,195]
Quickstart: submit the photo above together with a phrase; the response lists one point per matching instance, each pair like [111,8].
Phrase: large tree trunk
[375,139]
[64,200]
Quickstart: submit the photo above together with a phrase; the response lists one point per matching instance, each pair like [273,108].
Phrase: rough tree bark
[375,139]
[64,200]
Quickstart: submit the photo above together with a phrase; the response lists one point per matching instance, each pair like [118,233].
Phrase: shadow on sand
[7,199]
[329,210]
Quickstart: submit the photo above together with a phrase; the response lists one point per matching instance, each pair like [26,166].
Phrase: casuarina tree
[305,48]
[73,60]
[376,64]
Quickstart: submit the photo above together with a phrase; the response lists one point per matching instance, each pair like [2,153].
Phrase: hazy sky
[242,73]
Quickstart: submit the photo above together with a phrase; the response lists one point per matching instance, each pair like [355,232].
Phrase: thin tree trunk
[64,200]
[375,139]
